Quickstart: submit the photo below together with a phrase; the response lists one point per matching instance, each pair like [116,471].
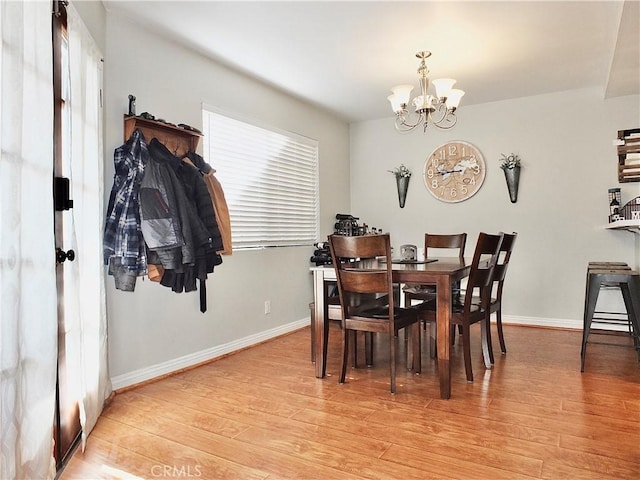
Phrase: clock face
[454,171]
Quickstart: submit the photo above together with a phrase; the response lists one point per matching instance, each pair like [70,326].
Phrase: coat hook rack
[185,141]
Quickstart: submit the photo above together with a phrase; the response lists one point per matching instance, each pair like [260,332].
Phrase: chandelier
[440,110]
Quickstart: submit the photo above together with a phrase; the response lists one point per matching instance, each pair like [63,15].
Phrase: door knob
[61,255]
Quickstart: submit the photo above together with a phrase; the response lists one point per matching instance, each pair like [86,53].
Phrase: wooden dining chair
[363,266]
[497,286]
[434,244]
[499,274]
[470,311]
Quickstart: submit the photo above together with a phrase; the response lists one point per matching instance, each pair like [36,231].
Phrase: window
[270,181]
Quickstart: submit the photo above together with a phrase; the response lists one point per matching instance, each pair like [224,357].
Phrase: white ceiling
[345,55]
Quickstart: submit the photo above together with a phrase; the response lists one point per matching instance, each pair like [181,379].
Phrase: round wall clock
[454,171]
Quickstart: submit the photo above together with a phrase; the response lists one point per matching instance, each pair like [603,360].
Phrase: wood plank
[627,445]
[161,443]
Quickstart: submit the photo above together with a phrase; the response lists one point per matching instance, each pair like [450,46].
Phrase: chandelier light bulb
[396,106]
[443,86]
[401,94]
[453,99]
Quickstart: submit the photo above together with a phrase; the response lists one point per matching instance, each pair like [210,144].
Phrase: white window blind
[270,181]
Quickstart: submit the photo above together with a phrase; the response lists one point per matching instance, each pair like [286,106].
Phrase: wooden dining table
[442,273]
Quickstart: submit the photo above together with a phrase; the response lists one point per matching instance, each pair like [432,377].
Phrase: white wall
[565,143]
[94,17]
[154,330]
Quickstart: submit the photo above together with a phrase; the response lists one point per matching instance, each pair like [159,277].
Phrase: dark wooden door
[67,428]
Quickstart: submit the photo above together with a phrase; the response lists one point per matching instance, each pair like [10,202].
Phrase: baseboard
[154,371]
[559,323]
[542,322]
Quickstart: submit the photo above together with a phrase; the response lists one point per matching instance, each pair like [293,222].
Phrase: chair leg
[345,355]
[490,339]
[409,349]
[503,346]
[368,348]
[466,345]
[326,339]
[412,347]
[591,298]
[416,341]
[392,360]
[433,343]
[453,333]
[632,302]
[354,362]
[485,335]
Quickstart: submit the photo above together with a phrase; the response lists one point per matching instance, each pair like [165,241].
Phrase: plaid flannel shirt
[122,234]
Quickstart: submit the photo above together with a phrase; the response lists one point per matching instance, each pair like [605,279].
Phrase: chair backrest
[500,272]
[363,266]
[432,241]
[485,259]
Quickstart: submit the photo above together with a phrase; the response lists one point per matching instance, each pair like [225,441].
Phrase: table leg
[319,298]
[443,321]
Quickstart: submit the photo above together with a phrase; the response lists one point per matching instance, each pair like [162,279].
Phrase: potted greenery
[403,175]
[510,165]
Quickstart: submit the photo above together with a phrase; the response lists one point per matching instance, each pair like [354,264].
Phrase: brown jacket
[219,206]
[221,209]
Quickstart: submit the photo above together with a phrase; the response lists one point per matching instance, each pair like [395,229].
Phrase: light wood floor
[261,414]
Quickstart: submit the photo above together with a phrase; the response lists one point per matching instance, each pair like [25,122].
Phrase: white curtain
[28,322]
[85,308]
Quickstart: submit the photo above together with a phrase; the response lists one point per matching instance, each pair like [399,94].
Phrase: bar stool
[608,275]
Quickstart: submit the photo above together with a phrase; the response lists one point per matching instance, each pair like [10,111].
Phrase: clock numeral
[472,181]
[434,183]
[453,149]
[476,169]
[435,163]
[464,190]
[442,154]
[453,193]
[430,173]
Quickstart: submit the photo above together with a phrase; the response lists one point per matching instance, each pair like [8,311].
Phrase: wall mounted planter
[512,176]
[403,185]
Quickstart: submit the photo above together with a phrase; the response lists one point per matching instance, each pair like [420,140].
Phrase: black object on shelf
[347,225]
[132,105]
[321,255]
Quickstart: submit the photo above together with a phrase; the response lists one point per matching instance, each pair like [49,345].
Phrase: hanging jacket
[193,200]
[219,201]
[123,243]
[166,226]
[206,232]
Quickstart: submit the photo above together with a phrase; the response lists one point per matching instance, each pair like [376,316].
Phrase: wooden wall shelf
[629,155]
[178,140]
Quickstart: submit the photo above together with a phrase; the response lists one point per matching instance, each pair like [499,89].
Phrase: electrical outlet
[267,307]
